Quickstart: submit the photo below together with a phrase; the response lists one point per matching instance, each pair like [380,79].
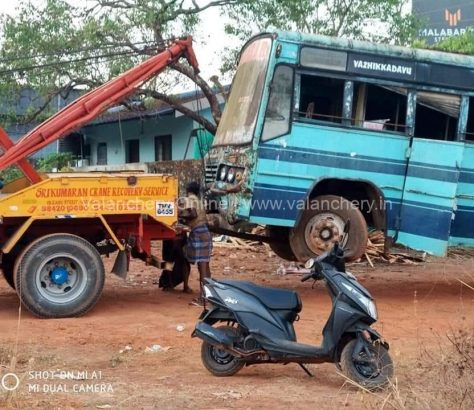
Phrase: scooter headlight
[372,309]
[207,292]
[368,304]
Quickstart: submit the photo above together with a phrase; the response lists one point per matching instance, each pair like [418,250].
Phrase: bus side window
[436,115]
[470,121]
[277,116]
[379,107]
[321,98]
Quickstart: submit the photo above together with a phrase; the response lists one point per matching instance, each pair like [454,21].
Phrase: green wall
[115,134]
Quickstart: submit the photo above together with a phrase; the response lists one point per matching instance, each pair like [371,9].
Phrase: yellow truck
[55,227]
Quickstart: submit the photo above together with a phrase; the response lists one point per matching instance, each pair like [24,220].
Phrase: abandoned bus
[318,130]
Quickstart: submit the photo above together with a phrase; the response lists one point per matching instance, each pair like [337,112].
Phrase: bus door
[462,232]
[432,175]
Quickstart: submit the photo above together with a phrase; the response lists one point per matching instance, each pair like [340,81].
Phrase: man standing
[198,247]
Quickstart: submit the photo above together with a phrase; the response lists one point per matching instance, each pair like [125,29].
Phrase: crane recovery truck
[55,227]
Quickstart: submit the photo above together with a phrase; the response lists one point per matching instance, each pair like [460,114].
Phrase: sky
[8,7]
[211,32]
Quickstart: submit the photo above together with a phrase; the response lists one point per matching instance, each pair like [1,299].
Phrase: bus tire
[322,224]
[59,275]
[281,245]
[8,264]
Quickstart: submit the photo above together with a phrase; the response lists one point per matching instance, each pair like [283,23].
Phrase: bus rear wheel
[59,275]
[323,224]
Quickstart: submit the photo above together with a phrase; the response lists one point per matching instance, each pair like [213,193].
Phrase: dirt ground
[418,306]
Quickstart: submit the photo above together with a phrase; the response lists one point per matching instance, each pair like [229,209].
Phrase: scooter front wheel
[373,370]
[219,361]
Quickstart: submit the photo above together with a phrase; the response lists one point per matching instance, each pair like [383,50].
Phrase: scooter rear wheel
[218,361]
[372,372]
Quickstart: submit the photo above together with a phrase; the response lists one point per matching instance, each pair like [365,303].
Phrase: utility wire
[65,62]
[74,51]
[55,64]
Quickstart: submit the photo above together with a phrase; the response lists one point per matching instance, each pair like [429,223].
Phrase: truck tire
[59,275]
[281,246]
[323,223]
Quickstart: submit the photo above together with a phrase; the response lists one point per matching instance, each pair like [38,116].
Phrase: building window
[379,107]
[133,151]
[436,115]
[321,98]
[102,153]
[163,148]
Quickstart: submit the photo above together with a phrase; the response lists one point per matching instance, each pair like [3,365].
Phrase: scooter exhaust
[219,338]
[212,335]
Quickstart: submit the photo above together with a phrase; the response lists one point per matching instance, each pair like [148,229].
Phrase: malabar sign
[443,18]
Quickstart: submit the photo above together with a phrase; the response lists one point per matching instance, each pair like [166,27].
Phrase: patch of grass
[441,378]
[5,355]
[26,355]
[116,360]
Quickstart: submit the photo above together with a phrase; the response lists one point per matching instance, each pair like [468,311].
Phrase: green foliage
[55,46]
[40,43]
[375,20]
[10,174]
[419,43]
[360,19]
[56,160]
[463,44]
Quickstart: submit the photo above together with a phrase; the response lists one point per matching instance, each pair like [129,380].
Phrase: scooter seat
[273,298]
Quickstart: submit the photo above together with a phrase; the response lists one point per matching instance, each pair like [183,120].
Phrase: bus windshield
[240,114]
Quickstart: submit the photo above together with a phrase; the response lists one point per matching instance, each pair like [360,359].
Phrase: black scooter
[259,325]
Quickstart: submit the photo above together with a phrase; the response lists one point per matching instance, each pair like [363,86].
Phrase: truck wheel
[59,275]
[282,244]
[8,264]
[323,224]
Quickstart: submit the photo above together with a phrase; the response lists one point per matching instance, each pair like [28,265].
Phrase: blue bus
[318,130]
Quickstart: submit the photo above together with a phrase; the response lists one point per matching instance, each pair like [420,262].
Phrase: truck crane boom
[89,106]
[54,229]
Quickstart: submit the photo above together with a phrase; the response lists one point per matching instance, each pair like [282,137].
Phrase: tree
[375,20]
[55,160]
[55,47]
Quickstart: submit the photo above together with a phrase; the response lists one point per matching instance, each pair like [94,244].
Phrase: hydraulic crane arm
[89,106]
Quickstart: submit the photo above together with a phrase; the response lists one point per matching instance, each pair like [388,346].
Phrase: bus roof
[415,54]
